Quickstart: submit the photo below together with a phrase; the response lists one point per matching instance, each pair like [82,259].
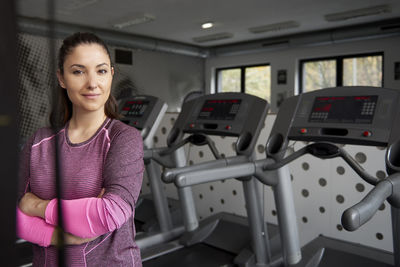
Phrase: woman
[100,163]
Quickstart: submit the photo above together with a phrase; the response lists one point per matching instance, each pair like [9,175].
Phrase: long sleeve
[90,217]
[34,229]
[123,173]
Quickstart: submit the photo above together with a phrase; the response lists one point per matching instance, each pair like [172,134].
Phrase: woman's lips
[91,96]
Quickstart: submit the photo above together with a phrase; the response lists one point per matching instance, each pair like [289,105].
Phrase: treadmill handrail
[360,213]
[325,150]
[213,175]
[357,168]
[170,175]
[161,155]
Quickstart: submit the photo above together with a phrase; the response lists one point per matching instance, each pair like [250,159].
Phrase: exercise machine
[154,213]
[222,238]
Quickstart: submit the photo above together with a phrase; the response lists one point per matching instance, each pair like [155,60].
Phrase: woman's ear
[60,79]
[112,71]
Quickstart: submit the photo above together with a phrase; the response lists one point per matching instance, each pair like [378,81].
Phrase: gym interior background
[320,198]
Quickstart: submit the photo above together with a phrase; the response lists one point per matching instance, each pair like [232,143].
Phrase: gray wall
[288,59]
[167,76]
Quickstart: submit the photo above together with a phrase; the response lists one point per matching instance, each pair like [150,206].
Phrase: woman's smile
[91,96]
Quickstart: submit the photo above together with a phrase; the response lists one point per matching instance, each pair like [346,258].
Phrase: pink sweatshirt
[111,159]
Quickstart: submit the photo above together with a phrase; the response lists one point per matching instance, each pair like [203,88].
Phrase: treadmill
[358,115]
[154,213]
[222,239]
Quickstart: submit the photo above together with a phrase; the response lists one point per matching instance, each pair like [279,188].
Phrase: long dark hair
[62,108]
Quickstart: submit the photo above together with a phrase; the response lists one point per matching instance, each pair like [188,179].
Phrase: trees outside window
[364,70]
[254,80]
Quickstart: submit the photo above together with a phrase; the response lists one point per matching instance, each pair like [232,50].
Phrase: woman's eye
[77,72]
[103,71]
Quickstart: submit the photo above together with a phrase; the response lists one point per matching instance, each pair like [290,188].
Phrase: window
[365,70]
[254,80]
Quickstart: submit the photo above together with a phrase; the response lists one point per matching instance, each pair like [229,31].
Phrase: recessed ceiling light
[207,25]
[356,13]
[134,19]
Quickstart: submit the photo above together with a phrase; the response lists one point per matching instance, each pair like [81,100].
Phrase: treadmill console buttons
[191,125]
[228,127]
[367,133]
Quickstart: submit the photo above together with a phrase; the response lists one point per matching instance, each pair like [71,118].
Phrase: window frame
[242,75]
[339,66]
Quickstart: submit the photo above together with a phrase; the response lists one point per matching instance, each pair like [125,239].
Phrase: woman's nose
[92,81]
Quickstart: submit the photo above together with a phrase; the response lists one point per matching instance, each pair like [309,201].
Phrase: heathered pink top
[112,159]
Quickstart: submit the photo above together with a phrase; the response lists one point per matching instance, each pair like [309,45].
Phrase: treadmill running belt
[198,255]
[335,258]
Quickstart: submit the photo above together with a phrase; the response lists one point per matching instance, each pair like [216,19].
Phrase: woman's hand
[32,205]
[69,239]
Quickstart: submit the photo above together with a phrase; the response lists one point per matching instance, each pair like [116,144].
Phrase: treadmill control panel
[344,109]
[223,109]
[143,112]
[222,114]
[134,108]
[350,115]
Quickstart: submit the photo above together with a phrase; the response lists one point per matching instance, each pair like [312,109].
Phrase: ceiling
[180,20]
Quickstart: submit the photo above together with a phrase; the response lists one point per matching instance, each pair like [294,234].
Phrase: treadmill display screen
[134,108]
[344,109]
[220,109]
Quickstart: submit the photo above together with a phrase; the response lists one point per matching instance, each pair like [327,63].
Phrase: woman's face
[87,77]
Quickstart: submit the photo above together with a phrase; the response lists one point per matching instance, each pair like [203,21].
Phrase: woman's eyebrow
[82,66]
[102,64]
[77,65]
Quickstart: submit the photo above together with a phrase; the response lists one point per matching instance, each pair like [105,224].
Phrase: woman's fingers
[103,190]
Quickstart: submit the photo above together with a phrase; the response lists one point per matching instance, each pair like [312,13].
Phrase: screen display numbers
[134,108]
[344,109]
[220,109]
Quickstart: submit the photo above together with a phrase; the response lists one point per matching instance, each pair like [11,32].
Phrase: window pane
[362,71]
[319,74]
[229,80]
[258,82]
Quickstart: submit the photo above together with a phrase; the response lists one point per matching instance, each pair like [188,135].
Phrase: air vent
[275,43]
[123,56]
[67,7]
[356,13]
[275,27]
[133,19]
[391,27]
[213,37]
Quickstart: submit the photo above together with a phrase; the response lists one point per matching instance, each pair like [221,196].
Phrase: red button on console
[228,127]
[303,130]
[367,133]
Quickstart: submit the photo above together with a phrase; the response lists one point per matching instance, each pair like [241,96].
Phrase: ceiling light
[356,13]
[207,25]
[213,37]
[135,19]
[275,27]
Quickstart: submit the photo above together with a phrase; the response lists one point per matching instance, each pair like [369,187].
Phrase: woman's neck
[84,125]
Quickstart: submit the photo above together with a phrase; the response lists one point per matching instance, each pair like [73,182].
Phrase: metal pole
[396,235]
[159,199]
[186,196]
[258,232]
[8,129]
[287,221]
